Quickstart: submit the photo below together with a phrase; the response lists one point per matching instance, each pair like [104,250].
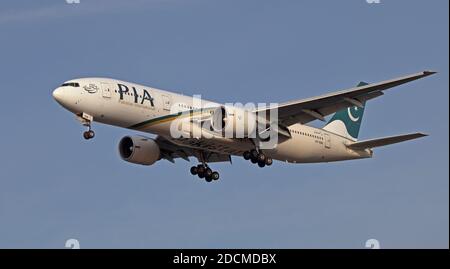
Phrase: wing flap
[170,152]
[373,143]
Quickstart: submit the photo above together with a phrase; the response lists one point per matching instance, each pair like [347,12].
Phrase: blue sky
[55,186]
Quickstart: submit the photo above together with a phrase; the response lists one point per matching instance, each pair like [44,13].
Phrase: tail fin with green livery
[346,122]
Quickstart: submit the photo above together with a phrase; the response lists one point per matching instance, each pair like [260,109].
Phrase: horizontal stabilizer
[373,143]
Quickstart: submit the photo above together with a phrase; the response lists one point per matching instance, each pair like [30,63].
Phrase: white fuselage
[151,110]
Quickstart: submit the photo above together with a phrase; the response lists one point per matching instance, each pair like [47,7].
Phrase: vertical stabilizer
[347,122]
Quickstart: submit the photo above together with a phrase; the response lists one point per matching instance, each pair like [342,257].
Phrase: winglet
[429,72]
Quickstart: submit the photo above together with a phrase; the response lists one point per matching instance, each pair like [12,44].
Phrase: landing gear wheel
[201,171]
[208,172]
[261,164]
[254,160]
[247,155]
[194,170]
[261,158]
[88,134]
[269,161]
[254,154]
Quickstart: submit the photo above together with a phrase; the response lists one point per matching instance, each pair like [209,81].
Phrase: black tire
[208,178]
[254,153]
[86,135]
[247,155]
[201,175]
[261,164]
[200,170]
[194,170]
[91,134]
[269,161]
[208,172]
[261,157]
[215,176]
[254,160]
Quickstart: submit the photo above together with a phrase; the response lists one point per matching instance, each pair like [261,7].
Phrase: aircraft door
[106,90]
[327,140]
[167,101]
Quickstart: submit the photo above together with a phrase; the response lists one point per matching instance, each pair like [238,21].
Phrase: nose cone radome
[64,97]
[58,94]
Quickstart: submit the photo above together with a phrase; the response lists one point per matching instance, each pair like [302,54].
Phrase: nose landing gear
[86,120]
[89,134]
[257,157]
[203,171]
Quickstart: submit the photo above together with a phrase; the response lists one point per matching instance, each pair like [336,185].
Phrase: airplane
[150,110]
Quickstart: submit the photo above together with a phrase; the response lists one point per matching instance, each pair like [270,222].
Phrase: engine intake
[139,150]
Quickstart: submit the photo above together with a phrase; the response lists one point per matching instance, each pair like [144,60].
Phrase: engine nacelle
[139,150]
[234,122]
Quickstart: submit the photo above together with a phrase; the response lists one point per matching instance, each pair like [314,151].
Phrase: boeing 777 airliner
[187,128]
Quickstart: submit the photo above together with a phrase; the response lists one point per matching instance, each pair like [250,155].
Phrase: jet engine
[234,122]
[139,150]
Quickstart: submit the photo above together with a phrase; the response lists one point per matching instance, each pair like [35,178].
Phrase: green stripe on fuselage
[170,117]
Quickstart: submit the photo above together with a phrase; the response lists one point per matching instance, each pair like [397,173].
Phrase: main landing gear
[258,157]
[203,171]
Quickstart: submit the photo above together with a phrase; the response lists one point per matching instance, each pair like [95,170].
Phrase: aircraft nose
[57,94]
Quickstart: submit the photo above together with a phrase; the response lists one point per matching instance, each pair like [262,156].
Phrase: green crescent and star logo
[351,114]
[351,117]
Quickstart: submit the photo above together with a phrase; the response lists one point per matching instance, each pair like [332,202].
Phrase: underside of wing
[171,151]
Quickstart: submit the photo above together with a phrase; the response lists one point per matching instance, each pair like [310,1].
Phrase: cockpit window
[71,84]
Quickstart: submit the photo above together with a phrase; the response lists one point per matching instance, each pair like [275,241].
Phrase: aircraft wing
[170,152]
[310,109]
[373,143]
